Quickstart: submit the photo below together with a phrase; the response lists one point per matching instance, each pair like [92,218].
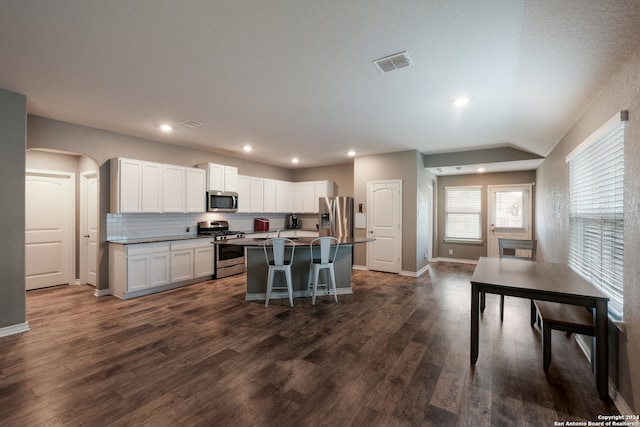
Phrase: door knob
[86,235]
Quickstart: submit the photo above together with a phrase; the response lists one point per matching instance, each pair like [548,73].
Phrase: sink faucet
[278,233]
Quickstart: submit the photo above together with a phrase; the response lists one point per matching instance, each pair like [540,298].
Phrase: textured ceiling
[295,78]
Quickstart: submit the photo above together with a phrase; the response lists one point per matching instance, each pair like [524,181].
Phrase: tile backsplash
[134,225]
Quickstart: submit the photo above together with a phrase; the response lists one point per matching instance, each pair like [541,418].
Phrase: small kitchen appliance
[294,222]
[260,224]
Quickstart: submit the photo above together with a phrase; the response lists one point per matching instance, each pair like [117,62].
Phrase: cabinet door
[269,195]
[257,194]
[130,186]
[297,197]
[151,187]
[309,200]
[159,265]
[203,262]
[216,177]
[282,197]
[173,197]
[244,193]
[195,190]
[231,178]
[182,265]
[137,273]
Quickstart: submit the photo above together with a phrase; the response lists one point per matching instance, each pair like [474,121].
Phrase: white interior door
[89,229]
[384,223]
[509,214]
[49,231]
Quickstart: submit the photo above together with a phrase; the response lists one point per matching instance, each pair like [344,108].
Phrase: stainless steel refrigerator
[336,216]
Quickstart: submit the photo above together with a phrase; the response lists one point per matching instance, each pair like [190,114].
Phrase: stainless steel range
[228,259]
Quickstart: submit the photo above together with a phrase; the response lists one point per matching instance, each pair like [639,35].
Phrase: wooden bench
[563,317]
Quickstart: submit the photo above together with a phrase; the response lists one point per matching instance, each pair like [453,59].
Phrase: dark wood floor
[396,352]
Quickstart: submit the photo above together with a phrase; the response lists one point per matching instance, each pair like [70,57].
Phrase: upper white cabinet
[307,193]
[244,193]
[174,185]
[221,177]
[269,196]
[195,197]
[151,187]
[284,196]
[140,186]
[257,194]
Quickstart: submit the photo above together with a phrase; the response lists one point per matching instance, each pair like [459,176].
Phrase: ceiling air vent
[393,62]
[190,123]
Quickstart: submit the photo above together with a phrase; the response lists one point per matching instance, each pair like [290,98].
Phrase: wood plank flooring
[395,353]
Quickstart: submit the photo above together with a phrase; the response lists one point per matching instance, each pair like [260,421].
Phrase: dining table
[543,281]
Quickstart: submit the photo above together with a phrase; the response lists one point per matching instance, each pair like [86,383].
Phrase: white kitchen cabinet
[126,185]
[309,199]
[195,191]
[231,178]
[203,261]
[182,264]
[269,195]
[151,194]
[244,193]
[257,194]
[138,268]
[221,177]
[173,188]
[191,259]
[308,193]
[284,197]
[146,268]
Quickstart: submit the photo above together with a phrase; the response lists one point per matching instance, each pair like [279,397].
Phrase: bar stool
[277,262]
[325,262]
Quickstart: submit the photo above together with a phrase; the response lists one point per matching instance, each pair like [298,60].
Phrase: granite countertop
[297,241]
[139,240]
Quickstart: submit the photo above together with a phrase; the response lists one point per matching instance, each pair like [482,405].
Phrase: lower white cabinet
[145,268]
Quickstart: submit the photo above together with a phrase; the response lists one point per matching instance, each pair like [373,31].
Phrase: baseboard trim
[415,273]
[617,399]
[14,329]
[456,260]
[359,267]
[101,292]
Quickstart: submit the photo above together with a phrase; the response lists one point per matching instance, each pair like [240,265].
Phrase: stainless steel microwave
[222,201]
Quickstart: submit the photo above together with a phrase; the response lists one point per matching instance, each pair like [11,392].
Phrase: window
[596,211]
[463,213]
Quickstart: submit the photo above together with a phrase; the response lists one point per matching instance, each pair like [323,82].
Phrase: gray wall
[621,93]
[341,175]
[468,250]
[13,117]
[405,166]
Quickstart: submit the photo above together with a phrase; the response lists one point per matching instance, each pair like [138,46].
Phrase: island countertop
[297,241]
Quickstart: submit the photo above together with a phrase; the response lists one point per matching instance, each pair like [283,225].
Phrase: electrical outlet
[450,251]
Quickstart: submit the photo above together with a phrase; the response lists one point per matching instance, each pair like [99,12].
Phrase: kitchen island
[257,269]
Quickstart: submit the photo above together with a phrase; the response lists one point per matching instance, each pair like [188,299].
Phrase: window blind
[463,209]
[596,212]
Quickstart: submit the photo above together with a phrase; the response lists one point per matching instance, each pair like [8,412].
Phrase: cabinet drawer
[147,248]
[191,244]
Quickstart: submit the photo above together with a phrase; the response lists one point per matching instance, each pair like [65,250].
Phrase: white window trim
[477,241]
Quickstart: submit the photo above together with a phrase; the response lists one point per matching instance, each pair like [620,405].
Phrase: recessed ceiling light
[461,101]
[295,160]
[247,148]
[481,170]
[166,128]
[351,153]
